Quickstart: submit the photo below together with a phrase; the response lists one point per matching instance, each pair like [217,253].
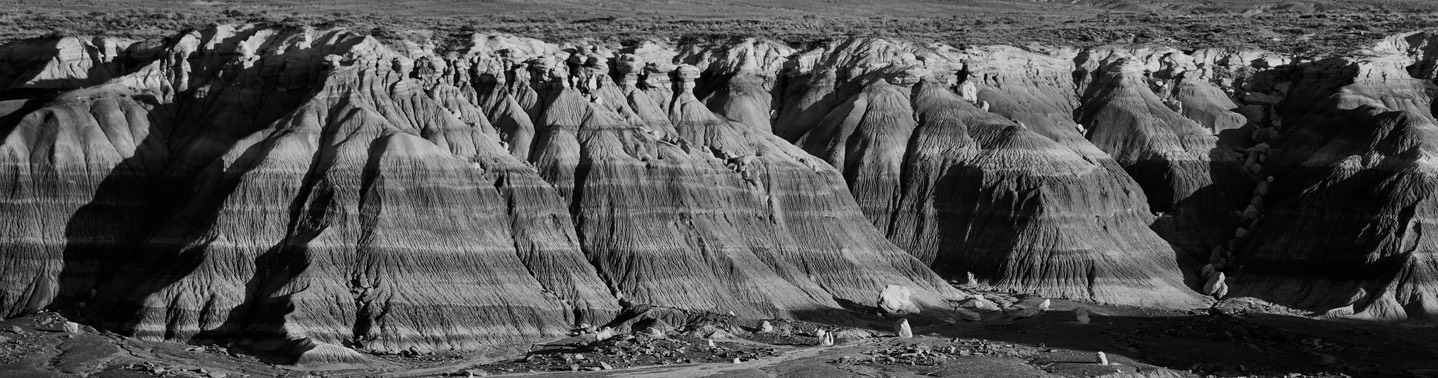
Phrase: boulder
[1215,282]
[978,302]
[897,299]
[902,329]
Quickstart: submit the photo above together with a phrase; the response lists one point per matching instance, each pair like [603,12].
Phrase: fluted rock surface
[318,193]
[1352,201]
[250,184]
[1181,165]
[315,193]
[680,207]
[972,191]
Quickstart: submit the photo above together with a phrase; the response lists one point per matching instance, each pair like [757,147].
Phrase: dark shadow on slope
[956,200]
[105,234]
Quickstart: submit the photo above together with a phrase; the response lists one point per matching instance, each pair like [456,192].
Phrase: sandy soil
[1235,339]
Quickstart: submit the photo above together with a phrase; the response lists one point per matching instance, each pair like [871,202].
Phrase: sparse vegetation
[1300,30]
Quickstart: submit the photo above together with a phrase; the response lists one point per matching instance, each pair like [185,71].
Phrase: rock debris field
[257,199]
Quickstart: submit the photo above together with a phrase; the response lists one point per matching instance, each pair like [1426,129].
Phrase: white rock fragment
[1214,283]
[1102,359]
[903,330]
[978,302]
[969,91]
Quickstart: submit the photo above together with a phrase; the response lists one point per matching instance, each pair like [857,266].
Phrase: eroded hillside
[318,193]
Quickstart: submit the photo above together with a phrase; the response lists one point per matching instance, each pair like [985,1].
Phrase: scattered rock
[978,302]
[965,314]
[652,327]
[766,327]
[1028,307]
[852,334]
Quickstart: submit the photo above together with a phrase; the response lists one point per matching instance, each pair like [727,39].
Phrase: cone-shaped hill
[970,191]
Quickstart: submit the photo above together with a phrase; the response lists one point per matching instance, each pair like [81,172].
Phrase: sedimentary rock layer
[315,192]
[1343,231]
[319,192]
[973,191]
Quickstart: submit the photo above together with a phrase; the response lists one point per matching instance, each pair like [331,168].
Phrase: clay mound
[1062,236]
[678,206]
[930,169]
[1343,233]
[1181,166]
[1042,217]
[337,222]
[714,216]
[103,161]
[382,225]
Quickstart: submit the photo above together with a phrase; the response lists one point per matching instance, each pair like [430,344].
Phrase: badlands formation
[318,193]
